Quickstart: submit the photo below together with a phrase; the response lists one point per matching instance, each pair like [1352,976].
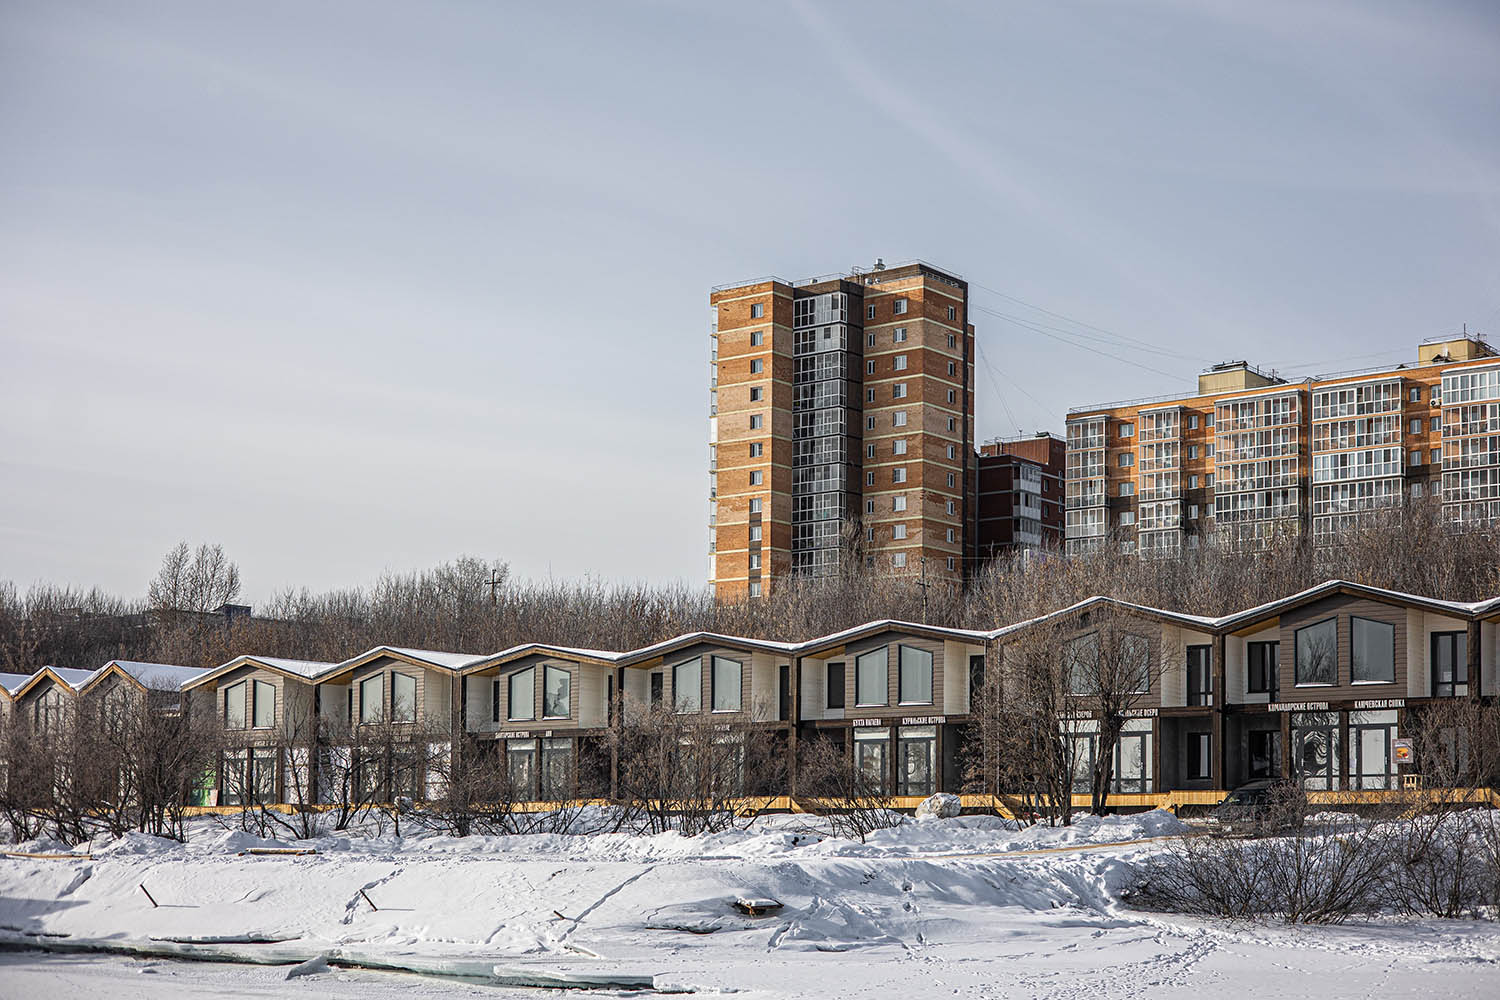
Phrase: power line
[1072,343]
[1068,319]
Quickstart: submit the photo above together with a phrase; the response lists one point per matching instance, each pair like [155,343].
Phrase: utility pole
[924,585]
[494,584]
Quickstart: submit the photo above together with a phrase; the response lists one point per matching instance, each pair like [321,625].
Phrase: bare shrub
[851,801]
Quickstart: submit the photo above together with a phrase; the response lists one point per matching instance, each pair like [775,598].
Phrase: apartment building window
[1209,449]
[870,314]
[835,684]
[757,448]
[952,369]
[1208,480]
[755,503]
[724,680]
[898,475]
[869,367]
[899,307]
[899,336]
[1127,517]
[1415,395]
[951,563]
[1127,459]
[1415,457]
[952,424]
[869,506]
[1127,430]
[1192,421]
[871,677]
[898,419]
[757,338]
[952,507]
[869,479]
[403,698]
[914,676]
[950,534]
[1416,491]
[899,532]
[869,534]
[1192,451]
[898,446]
[1264,664]
[1193,482]
[899,560]
[756,421]
[869,451]
[754,589]
[952,451]
[757,310]
[687,685]
[952,341]
[1414,426]
[952,396]
[1437,395]
[870,340]
[898,504]
[756,394]
[950,480]
[1373,657]
[755,560]
[1316,655]
[371,700]
[755,532]
[1437,455]
[898,391]
[869,395]
[1436,425]
[234,706]
[1127,489]
[1192,512]
[952,313]
[757,366]
[900,363]
[757,478]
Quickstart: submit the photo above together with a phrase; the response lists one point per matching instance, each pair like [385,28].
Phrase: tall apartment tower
[1252,455]
[1020,498]
[841,427]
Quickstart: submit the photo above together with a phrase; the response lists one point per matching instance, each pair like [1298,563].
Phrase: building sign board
[1381,703]
[1402,751]
[1298,706]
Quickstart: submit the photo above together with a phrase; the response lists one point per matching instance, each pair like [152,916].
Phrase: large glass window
[1374,652]
[687,686]
[1315,749]
[520,768]
[1264,662]
[371,700]
[872,762]
[234,788]
[1450,664]
[403,698]
[234,705]
[1200,755]
[263,774]
[1200,683]
[1081,660]
[557,697]
[1317,652]
[1370,738]
[265,705]
[915,681]
[557,769]
[872,677]
[726,684]
[1135,661]
[522,691]
[917,756]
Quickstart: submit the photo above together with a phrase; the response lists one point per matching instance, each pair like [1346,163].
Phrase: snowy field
[965,907]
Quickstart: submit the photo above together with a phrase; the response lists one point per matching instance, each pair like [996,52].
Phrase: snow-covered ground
[960,907]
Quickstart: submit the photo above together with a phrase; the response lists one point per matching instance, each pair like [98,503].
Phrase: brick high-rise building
[1250,455]
[1020,496]
[841,427]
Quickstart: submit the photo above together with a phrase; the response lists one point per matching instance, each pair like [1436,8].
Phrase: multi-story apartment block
[1020,494]
[1251,455]
[841,426]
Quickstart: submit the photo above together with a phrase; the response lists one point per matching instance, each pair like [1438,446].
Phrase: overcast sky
[366,286]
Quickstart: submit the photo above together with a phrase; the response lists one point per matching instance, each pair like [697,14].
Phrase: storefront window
[1315,749]
[520,767]
[917,771]
[872,748]
[557,769]
[1370,736]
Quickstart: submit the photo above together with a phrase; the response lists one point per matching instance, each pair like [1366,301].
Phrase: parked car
[1265,806]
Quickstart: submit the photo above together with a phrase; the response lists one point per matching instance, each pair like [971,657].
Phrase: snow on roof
[1200,621]
[1461,608]
[691,638]
[12,682]
[73,677]
[433,657]
[157,676]
[562,652]
[834,638]
[302,668]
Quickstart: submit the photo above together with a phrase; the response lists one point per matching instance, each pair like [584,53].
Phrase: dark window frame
[1269,667]
[1354,677]
[1297,653]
